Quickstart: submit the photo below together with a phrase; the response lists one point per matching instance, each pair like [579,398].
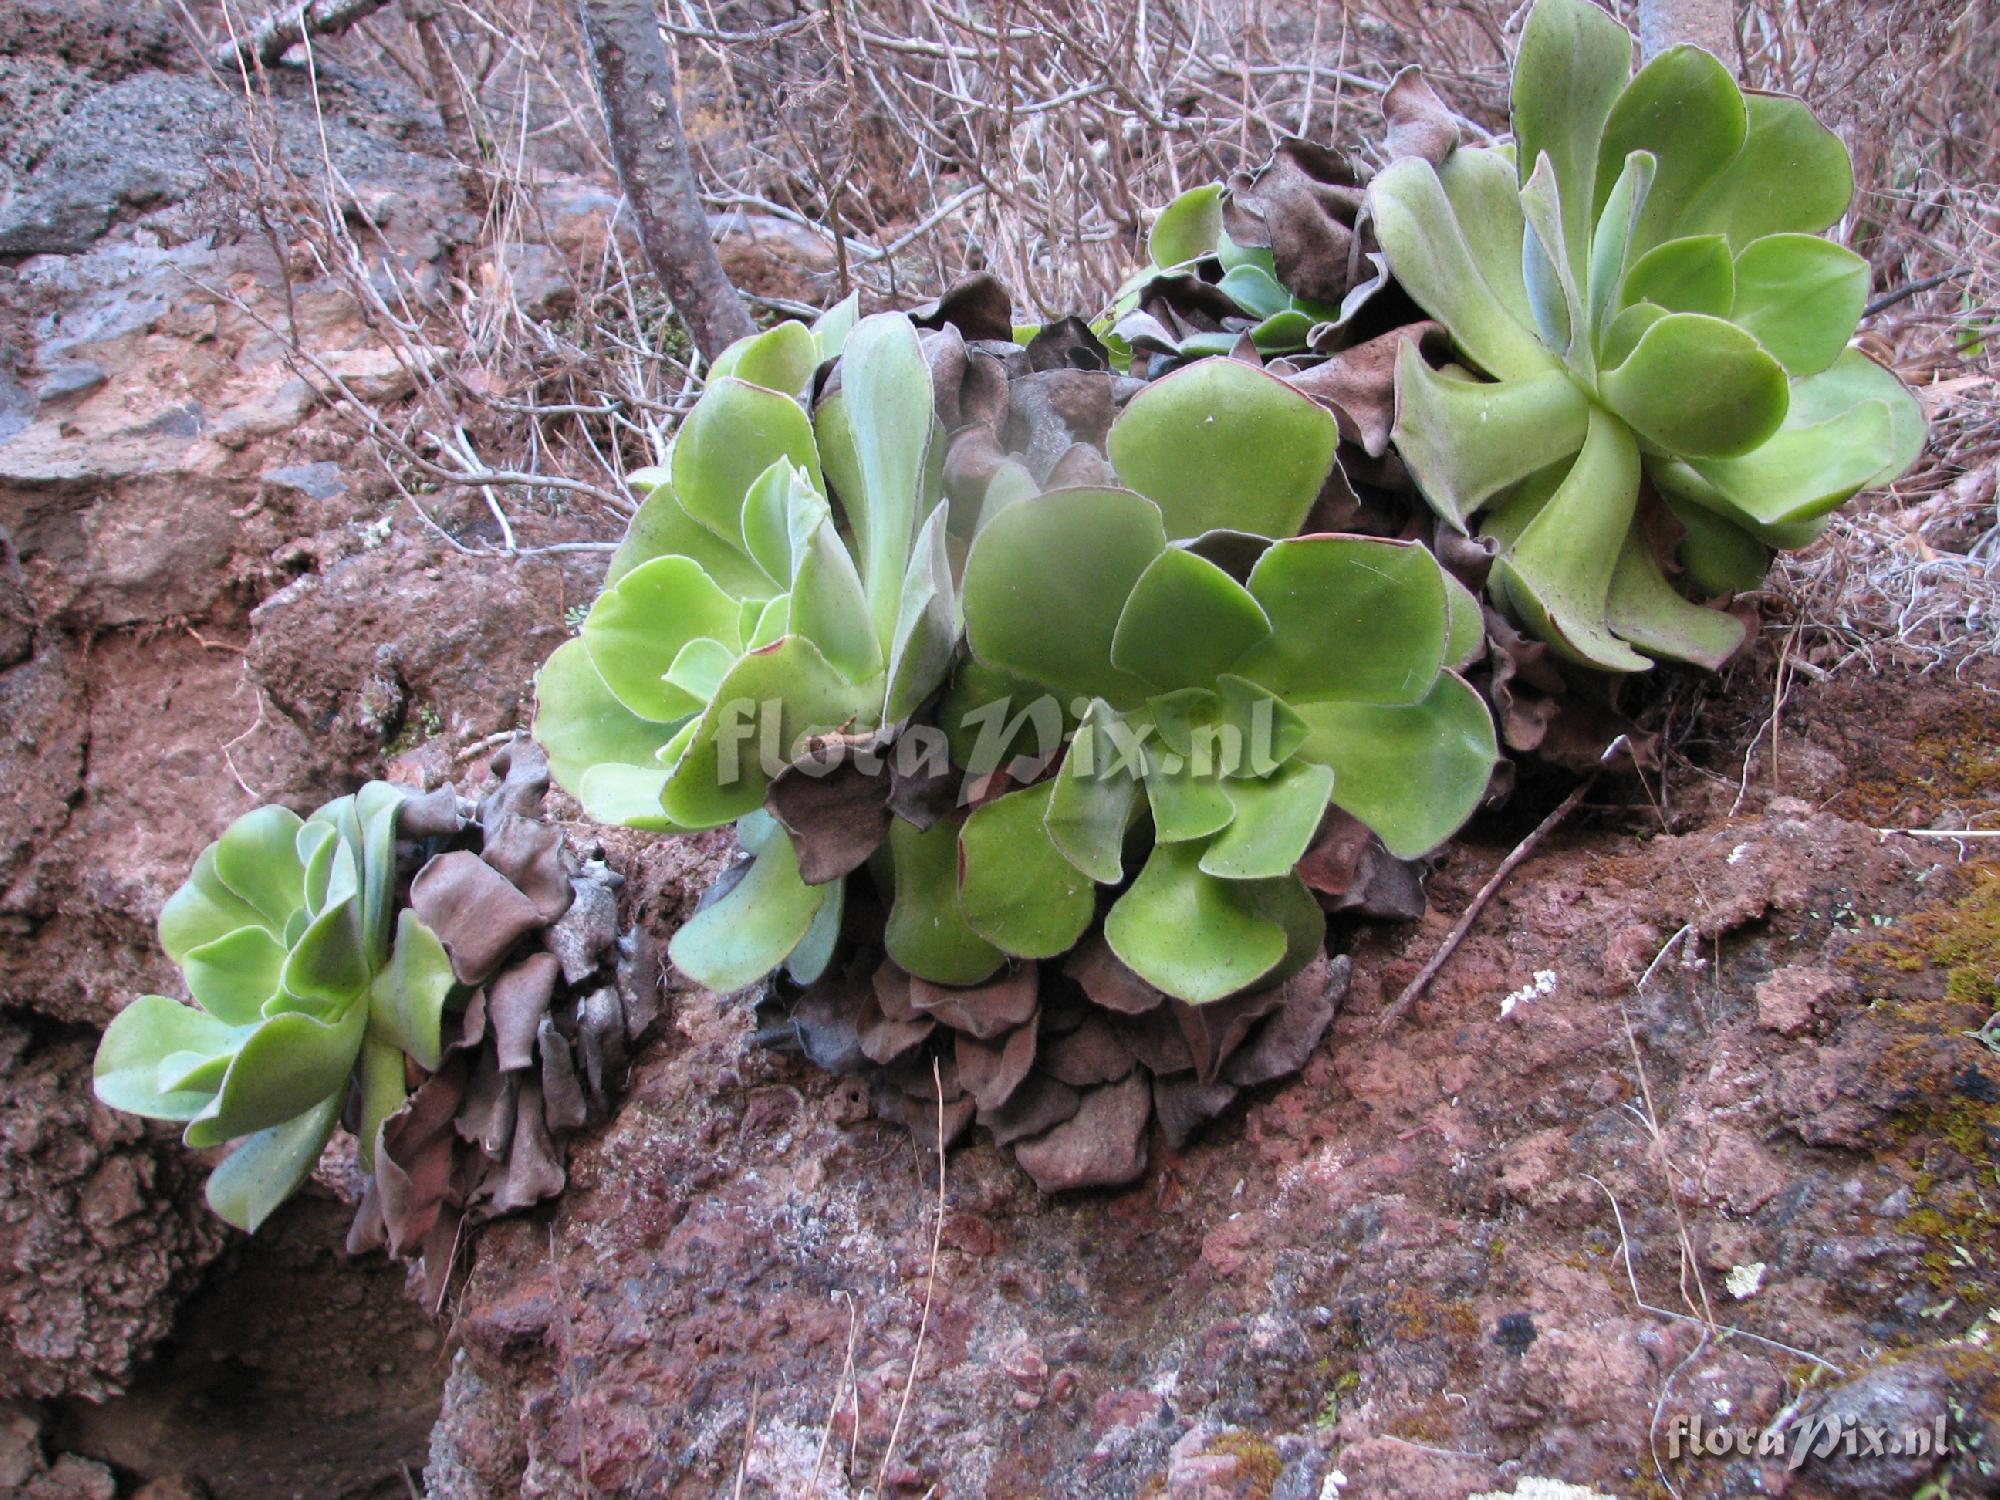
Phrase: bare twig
[930,1291]
[1416,987]
[270,39]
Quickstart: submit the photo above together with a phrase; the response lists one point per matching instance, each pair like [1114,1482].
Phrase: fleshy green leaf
[725,770]
[781,358]
[815,950]
[663,529]
[582,725]
[1415,773]
[379,1072]
[126,1074]
[406,1001]
[927,623]
[1273,823]
[1696,274]
[637,627]
[1719,556]
[1793,175]
[927,933]
[1485,195]
[1644,610]
[1220,443]
[1617,229]
[700,666]
[877,435]
[376,808]
[752,929]
[1436,265]
[1186,622]
[1800,296]
[1556,572]
[1465,631]
[1851,415]
[1188,227]
[203,909]
[778,495]
[233,976]
[257,858]
[1187,804]
[1465,441]
[831,328]
[1046,581]
[1354,618]
[1090,803]
[830,608]
[1555,293]
[990,717]
[735,432]
[625,797]
[328,966]
[270,1166]
[1197,937]
[1256,291]
[1574,62]
[1015,888]
[1699,387]
[1685,109]
[1805,471]
[288,1064]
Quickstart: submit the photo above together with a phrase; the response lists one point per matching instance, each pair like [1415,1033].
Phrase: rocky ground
[1693,1125]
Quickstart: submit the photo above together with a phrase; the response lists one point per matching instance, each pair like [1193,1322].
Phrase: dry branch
[271,38]
[635,83]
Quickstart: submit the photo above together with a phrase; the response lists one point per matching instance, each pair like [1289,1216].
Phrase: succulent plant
[1638,295]
[443,978]
[735,587]
[1282,255]
[1155,621]
[304,976]
[1237,686]
[1082,709]
[554,994]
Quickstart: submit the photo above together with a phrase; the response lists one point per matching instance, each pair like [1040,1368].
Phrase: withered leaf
[992,1071]
[1418,120]
[516,1001]
[562,1093]
[977,307]
[1107,980]
[837,818]
[534,1167]
[530,854]
[1102,1145]
[1184,1104]
[1091,1054]
[1284,1041]
[1301,205]
[1215,1030]
[475,911]
[984,1010]
[1039,1103]
[1358,385]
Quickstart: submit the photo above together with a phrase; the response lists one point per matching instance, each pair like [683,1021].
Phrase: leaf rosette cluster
[1639,300]
[445,979]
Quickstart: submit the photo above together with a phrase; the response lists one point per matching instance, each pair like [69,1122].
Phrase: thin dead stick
[930,1289]
[749,1437]
[1521,851]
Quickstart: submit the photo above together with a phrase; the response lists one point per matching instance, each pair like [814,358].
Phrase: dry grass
[903,144]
